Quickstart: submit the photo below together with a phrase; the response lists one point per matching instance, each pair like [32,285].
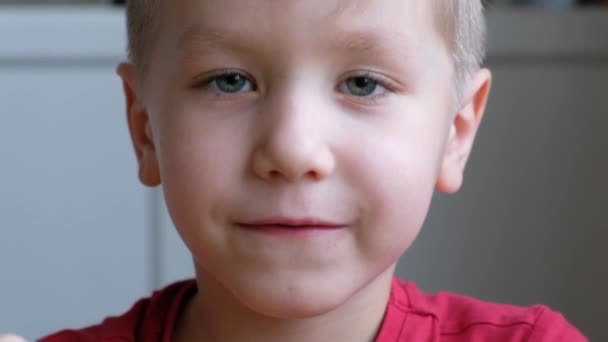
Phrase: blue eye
[229,82]
[232,83]
[366,86]
[361,86]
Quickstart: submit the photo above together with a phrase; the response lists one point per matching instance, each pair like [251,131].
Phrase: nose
[293,143]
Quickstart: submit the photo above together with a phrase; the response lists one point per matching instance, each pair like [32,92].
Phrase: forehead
[362,25]
[309,10]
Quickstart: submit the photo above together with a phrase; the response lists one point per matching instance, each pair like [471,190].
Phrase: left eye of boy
[232,83]
[361,86]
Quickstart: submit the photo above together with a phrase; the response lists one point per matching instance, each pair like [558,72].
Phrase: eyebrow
[396,49]
[372,41]
[210,38]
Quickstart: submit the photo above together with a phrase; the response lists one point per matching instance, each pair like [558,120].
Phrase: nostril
[274,174]
[313,175]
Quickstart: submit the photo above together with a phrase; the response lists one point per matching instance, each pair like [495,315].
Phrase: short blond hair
[461,23]
[463,27]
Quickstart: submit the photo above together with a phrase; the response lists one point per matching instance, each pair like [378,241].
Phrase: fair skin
[298,179]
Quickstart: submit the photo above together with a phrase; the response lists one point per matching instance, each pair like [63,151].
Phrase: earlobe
[139,128]
[463,131]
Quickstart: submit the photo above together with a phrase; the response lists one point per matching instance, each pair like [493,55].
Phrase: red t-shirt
[410,316]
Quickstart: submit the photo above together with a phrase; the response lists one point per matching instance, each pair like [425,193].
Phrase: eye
[365,86]
[228,83]
[361,86]
[232,83]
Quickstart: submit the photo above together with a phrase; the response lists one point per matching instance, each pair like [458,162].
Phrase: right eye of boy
[229,83]
[232,83]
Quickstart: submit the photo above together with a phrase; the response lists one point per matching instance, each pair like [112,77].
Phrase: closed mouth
[292,223]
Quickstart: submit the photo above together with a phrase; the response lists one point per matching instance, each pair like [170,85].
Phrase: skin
[295,141]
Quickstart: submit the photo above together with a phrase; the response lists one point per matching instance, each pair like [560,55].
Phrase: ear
[462,132]
[139,127]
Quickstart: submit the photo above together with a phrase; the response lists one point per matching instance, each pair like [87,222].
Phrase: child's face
[270,111]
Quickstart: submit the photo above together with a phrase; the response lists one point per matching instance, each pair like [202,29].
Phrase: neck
[213,314]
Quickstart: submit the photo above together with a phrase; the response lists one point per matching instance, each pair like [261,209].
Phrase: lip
[290,223]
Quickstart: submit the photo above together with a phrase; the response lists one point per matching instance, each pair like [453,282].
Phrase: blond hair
[461,23]
[463,27]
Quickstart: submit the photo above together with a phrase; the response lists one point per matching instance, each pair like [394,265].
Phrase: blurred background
[81,239]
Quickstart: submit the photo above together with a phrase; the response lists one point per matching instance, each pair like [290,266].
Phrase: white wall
[73,238]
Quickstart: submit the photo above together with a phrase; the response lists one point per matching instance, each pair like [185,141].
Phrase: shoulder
[146,317]
[464,318]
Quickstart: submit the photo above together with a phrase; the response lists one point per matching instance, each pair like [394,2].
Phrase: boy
[298,144]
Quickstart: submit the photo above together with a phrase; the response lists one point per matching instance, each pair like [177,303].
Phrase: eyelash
[207,79]
[380,81]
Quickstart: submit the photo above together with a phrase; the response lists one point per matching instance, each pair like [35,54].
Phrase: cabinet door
[72,238]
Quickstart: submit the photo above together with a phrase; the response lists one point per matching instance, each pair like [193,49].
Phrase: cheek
[199,167]
[396,172]
[398,200]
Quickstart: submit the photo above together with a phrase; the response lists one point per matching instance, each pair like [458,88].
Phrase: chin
[294,300]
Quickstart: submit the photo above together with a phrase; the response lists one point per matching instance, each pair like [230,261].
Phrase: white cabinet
[73,236]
